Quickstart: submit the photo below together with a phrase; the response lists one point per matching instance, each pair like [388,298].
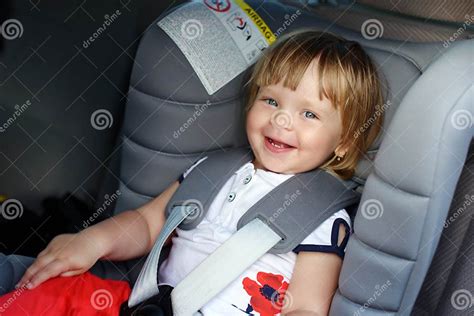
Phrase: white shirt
[251,293]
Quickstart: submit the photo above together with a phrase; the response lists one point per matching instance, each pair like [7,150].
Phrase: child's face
[311,127]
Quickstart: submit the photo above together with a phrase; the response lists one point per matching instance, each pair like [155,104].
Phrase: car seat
[408,177]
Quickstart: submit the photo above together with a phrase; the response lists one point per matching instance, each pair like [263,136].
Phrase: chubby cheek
[318,146]
[255,122]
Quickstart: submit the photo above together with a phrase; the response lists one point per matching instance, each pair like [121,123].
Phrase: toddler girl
[310,98]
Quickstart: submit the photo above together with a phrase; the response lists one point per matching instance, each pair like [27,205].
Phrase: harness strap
[314,196]
[146,285]
[225,264]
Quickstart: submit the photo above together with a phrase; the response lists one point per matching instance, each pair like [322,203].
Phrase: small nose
[282,119]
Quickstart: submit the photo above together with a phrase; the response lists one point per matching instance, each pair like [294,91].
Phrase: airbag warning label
[220,38]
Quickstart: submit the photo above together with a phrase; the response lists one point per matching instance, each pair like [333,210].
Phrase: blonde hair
[347,77]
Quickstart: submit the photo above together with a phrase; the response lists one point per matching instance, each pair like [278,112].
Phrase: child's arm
[127,235]
[313,283]
[134,236]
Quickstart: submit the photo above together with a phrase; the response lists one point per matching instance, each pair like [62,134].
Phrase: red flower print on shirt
[267,293]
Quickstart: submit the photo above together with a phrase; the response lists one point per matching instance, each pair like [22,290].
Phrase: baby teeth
[278,146]
[275,145]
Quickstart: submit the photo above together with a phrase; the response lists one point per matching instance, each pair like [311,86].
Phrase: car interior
[93,95]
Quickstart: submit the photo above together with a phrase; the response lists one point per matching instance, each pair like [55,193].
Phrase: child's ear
[341,150]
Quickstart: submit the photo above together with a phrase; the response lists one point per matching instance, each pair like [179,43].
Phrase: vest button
[231,196]
[247,179]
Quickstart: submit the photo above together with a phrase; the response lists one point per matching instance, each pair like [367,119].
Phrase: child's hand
[65,255]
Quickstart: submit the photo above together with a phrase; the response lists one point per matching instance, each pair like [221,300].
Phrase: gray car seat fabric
[411,21]
[413,177]
[407,196]
[452,272]
[460,286]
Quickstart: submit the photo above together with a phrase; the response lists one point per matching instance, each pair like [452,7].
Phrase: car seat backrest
[407,196]
[171,121]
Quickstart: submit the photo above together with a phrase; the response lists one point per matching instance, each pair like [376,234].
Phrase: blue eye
[311,115]
[270,99]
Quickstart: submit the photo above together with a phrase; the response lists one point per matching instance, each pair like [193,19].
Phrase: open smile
[277,147]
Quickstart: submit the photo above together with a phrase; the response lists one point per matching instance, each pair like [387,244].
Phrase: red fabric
[267,293]
[85,295]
